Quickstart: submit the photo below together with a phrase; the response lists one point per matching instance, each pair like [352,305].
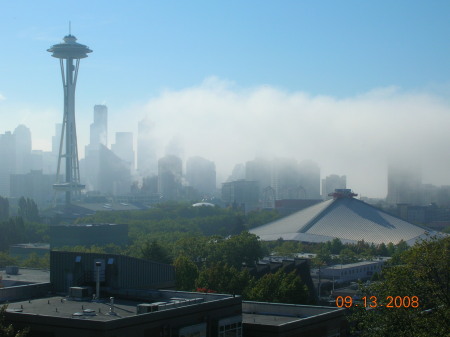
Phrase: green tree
[289,248]
[423,276]
[348,256]
[186,273]
[152,250]
[8,330]
[34,261]
[223,278]
[323,257]
[12,231]
[4,209]
[28,210]
[7,260]
[336,246]
[280,287]
[390,249]
[236,250]
[194,248]
[382,250]
[261,217]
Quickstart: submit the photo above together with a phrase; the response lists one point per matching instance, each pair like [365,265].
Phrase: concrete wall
[24,292]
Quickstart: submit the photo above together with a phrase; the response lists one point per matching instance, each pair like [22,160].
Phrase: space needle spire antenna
[69,54]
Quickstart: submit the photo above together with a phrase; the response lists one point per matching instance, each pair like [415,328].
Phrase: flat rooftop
[267,319]
[62,307]
[356,264]
[88,309]
[35,245]
[277,314]
[25,276]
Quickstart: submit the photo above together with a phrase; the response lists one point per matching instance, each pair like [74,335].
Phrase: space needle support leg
[69,109]
[61,141]
[75,163]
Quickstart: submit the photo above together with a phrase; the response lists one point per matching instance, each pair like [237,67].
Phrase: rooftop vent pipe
[111,307]
[97,290]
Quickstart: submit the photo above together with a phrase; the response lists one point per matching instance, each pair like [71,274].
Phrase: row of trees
[16,230]
[32,261]
[27,209]
[335,251]
[216,264]
[203,250]
[22,228]
[280,287]
[171,221]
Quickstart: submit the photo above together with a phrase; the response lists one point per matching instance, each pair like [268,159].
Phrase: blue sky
[146,53]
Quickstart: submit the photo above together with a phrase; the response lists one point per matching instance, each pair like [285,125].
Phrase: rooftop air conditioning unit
[79,292]
[12,270]
[145,308]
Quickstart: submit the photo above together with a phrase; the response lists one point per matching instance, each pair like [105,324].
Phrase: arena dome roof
[344,217]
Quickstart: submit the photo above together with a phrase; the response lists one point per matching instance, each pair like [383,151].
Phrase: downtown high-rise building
[99,128]
[123,147]
[22,147]
[292,180]
[201,175]
[103,170]
[147,162]
[331,183]
[404,183]
[170,175]
[8,166]
[259,170]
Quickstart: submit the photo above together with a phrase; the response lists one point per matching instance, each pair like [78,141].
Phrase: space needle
[69,54]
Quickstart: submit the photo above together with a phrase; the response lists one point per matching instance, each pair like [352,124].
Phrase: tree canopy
[420,284]
[8,330]
[280,287]
[28,209]
[4,208]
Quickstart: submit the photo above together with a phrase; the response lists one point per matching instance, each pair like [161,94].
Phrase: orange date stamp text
[373,302]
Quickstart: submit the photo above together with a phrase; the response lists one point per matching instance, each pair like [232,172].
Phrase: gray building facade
[88,235]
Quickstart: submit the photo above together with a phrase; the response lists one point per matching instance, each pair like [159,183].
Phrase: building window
[198,330]
[230,327]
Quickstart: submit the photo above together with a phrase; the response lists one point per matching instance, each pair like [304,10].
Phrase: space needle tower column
[69,54]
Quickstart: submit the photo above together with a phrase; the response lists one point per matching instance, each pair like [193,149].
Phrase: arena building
[346,218]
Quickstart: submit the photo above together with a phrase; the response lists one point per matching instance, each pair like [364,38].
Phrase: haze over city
[347,85]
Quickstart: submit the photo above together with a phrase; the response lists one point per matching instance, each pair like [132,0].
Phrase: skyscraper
[99,128]
[123,147]
[309,178]
[259,170]
[22,137]
[104,170]
[291,180]
[147,163]
[331,183]
[404,183]
[201,174]
[286,180]
[8,156]
[169,177]
[69,51]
